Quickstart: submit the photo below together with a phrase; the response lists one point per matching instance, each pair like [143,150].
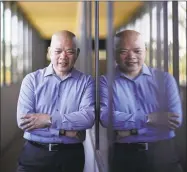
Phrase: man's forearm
[45,132]
[165,119]
[121,120]
[80,120]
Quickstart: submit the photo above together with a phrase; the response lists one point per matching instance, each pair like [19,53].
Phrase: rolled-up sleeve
[26,105]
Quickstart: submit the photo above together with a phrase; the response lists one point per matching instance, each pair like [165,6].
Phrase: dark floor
[9,161]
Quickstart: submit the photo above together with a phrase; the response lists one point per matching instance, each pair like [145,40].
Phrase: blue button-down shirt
[134,99]
[70,102]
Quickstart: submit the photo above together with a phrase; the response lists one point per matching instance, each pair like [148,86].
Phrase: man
[55,107]
[146,110]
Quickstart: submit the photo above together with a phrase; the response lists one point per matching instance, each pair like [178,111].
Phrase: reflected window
[154,36]
[7,14]
[20,47]
[29,49]
[25,47]
[182,42]
[2,37]
[170,38]
[14,51]
[162,36]
[145,31]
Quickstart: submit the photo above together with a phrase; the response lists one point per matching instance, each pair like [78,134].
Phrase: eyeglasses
[125,51]
[68,52]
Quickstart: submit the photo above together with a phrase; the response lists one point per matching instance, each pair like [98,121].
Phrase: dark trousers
[71,158]
[160,157]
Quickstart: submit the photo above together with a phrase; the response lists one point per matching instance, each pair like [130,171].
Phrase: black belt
[133,146]
[142,146]
[56,146]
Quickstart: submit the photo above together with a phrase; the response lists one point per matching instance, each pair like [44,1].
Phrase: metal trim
[97,93]
[110,75]
[165,19]
[175,41]
[158,53]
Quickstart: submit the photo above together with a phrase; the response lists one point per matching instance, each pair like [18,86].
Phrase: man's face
[63,54]
[130,54]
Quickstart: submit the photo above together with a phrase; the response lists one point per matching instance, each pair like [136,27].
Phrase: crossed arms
[50,124]
[171,117]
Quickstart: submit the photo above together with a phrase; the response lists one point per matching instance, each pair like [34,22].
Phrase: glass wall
[182,42]
[150,24]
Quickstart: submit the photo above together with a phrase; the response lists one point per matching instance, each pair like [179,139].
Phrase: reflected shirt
[69,101]
[133,99]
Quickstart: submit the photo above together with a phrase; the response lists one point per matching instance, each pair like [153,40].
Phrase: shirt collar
[50,71]
[145,71]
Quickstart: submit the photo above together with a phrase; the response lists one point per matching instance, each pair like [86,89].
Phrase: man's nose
[131,54]
[63,54]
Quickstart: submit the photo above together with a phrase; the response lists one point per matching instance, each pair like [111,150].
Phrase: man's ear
[145,47]
[78,51]
[48,52]
[48,49]
[116,56]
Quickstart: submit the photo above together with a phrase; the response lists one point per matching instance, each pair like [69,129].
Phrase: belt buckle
[145,147]
[52,147]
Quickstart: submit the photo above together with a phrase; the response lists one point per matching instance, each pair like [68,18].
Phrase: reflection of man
[146,110]
[55,107]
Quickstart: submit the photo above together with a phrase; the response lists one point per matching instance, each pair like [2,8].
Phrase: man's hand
[34,121]
[122,133]
[71,133]
[167,119]
[68,133]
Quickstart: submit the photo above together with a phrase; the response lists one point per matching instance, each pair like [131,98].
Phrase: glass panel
[29,49]
[154,35]
[182,42]
[20,47]
[170,38]
[7,43]
[14,51]
[2,32]
[25,47]
[162,37]
[145,31]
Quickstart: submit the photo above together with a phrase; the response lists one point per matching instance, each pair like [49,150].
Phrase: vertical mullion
[0,51]
[23,46]
[110,75]
[158,8]
[4,47]
[11,66]
[84,61]
[175,41]
[166,58]
[186,31]
[151,36]
[89,30]
[97,108]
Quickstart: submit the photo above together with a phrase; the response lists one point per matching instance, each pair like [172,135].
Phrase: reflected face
[130,53]
[63,54]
